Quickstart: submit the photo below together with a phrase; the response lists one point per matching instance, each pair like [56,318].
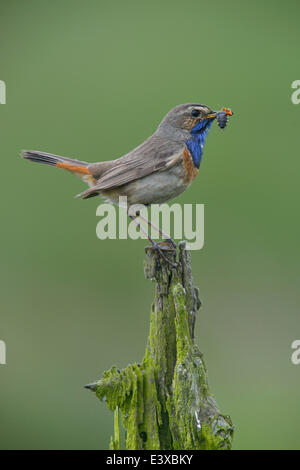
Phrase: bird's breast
[159,186]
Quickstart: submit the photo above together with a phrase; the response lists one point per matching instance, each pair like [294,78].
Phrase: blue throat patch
[196,143]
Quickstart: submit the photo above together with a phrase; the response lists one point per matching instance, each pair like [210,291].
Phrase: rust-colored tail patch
[73,168]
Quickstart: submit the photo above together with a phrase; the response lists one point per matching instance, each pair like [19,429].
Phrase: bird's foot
[171,242]
[164,245]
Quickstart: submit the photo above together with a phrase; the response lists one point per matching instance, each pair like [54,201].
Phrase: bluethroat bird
[156,171]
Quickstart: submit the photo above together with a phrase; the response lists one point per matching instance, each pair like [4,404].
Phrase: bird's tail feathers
[75,166]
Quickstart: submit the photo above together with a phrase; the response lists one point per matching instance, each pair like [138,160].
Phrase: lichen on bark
[165,401]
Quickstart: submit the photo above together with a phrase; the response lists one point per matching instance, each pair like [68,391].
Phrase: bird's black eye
[195,113]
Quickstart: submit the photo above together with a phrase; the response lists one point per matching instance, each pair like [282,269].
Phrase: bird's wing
[155,154]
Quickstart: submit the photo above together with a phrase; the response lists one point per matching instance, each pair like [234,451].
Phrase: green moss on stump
[165,402]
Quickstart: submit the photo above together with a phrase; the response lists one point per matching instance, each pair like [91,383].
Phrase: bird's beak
[213,114]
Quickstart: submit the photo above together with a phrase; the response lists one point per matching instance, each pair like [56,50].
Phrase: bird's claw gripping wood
[169,240]
[169,246]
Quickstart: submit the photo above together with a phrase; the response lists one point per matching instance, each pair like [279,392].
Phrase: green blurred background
[91,80]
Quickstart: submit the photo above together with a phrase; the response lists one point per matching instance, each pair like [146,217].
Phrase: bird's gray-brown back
[152,155]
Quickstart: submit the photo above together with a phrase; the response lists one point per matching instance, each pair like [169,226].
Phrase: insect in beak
[222,117]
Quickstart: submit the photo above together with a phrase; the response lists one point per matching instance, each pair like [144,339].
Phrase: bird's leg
[154,244]
[162,234]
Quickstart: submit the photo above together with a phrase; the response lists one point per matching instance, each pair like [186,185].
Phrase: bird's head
[190,123]
[189,118]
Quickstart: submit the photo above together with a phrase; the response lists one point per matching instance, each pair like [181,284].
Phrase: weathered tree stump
[165,401]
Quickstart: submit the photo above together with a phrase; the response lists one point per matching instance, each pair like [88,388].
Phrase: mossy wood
[165,401]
